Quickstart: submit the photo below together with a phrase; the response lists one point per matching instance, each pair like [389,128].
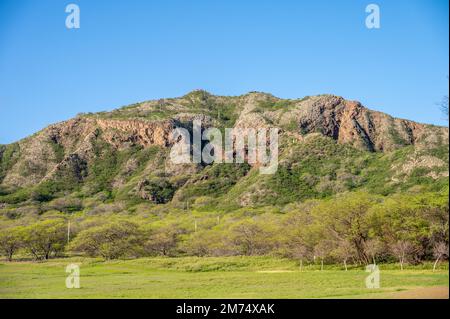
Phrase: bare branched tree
[402,249]
[300,252]
[440,250]
[321,250]
[372,248]
[345,251]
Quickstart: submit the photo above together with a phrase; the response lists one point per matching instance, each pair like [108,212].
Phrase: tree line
[356,228]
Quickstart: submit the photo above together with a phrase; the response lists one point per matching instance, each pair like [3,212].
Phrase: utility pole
[68,232]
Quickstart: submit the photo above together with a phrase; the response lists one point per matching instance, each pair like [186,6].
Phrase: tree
[415,218]
[163,241]
[344,251]
[295,235]
[207,243]
[111,241]
[198,245]
[345,218]
[440,250]
[159,191]
[322,250]
[300,252]
[66,205]
[402,249]
[250,238]
[10,241]
[45,238]
[372,248]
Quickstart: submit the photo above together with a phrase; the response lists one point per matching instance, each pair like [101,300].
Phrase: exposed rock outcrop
[71,146]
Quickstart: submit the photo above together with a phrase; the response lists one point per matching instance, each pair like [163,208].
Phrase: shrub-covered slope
[328,145]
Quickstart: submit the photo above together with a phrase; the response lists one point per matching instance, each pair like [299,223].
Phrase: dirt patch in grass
[274,271]
[440,292]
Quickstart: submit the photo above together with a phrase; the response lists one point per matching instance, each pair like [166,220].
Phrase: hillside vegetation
[352,185]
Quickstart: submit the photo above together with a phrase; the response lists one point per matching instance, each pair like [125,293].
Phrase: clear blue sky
[130,51]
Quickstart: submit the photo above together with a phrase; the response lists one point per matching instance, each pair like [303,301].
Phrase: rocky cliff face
[137,138]
[120,133]
[349,122]
[69,145]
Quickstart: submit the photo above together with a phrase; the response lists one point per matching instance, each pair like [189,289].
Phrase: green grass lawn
[190,277]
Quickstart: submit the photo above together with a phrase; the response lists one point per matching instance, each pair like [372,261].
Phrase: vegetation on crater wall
[231,209]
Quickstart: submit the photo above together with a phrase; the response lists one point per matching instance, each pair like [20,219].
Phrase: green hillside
[344,173]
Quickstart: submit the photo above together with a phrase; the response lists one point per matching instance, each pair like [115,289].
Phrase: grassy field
[231,277]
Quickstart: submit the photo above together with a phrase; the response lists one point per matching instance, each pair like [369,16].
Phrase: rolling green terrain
[232,277]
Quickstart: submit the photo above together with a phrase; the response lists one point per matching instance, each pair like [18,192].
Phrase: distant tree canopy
[44,239]
[354,228]
[110,241]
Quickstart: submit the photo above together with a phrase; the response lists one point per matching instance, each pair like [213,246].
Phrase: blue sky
[130,51]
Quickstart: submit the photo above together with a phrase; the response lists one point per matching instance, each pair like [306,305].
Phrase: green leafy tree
[345,218]
[45,238]
[162,241]
[10,241]
[419,219]
[110,241]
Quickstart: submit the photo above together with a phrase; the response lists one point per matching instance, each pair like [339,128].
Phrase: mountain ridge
[127,148]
